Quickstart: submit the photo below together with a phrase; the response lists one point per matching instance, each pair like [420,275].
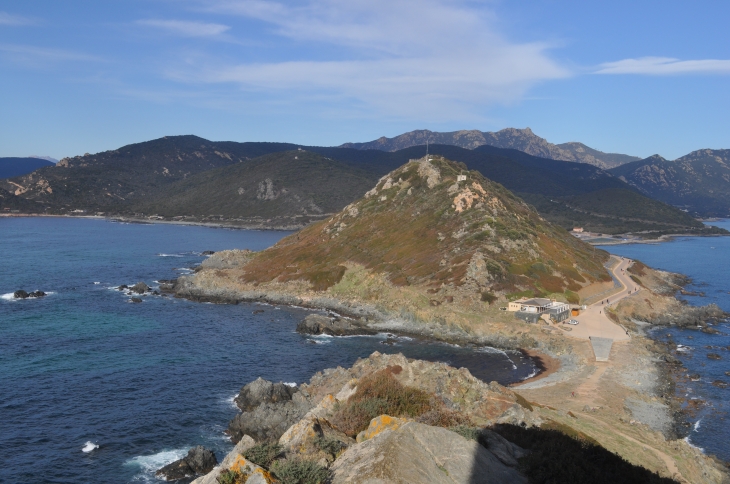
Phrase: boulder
[37,294]
[212,477]
[719,384]
[268,421]
[504,450]
[122,287]
[166,285]
[417,453]
[136,300]
[198,461]
[262,391]
[714,356]
[208,252]
[319,324]
[21,294]
[140,288]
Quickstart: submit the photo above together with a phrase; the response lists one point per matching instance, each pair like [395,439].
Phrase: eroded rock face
[418,453]
[268,410]
[319,324]
[262,391]
[227,259]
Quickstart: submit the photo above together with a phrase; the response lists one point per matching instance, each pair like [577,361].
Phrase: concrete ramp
[601,347]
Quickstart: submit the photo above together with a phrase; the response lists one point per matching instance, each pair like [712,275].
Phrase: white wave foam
[687,439]
[696,426]
[290,384]
[89,446]
[319,341]
[97,283]
[170,255]
[532,373]
[151,463]
[230,401]
[11,296]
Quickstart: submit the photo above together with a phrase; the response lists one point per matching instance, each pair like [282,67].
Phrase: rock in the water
[233,456]
[318,324]
[122,287]
[140,288]
[21,294]
[136,300]
[167,285]
[198,461]
[719,384]
[714,356]
[418,453]
[262,391]
[727,373]
[208,252]
[37,294]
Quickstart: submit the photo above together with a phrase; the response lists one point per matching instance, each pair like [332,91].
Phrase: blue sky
[639,78]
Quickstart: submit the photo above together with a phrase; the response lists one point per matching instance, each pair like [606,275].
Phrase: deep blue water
[146,381]
[706,261]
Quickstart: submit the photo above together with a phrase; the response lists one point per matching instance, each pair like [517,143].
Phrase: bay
[147,381]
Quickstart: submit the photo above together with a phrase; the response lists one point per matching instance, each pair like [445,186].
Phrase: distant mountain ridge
[512,138]
[194,179]
[698,182]
[12,167]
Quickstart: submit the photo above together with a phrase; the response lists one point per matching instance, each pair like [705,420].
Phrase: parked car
[572,321]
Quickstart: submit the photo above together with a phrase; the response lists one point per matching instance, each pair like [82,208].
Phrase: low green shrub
[488,297]
[229,476]
[382,394]
[263,454]
[329,445]
[296,471]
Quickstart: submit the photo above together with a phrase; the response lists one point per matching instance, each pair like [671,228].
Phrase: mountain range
[12,167]
[698,182]
[288,186]
[520,139]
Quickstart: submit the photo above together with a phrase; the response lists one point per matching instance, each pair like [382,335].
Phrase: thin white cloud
[15,20]
[186,28]
[42,56]
[435,59]
[665,66]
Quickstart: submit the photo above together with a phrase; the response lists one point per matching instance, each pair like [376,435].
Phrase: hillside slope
[519,139]
[111,179]
[698,182]
[288,188]
[12,167]
[421,227]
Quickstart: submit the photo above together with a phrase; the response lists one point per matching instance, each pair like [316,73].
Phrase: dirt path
[593,320]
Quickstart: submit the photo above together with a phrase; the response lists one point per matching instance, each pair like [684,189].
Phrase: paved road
[594,322]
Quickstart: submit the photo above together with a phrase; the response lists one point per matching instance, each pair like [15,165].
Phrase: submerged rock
[198,461]
[136,300]
[714,356]
[140,288]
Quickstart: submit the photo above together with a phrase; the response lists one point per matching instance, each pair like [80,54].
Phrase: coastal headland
[436,250]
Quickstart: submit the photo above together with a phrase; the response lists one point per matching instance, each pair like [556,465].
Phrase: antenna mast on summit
[426,148]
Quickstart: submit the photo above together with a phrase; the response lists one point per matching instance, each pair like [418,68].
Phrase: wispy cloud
[15,20]
[435,60]
[186,28]
[664,66]
[41,56]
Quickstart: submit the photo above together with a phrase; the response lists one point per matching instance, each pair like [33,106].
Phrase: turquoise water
[146,381]
[706,260]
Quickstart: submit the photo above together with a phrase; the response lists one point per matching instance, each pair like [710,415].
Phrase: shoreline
[294,227]
[144,221]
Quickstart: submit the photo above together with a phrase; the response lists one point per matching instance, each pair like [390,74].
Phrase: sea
[706,260]
[95,388]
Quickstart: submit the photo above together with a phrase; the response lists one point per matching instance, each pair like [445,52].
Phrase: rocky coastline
[342,317]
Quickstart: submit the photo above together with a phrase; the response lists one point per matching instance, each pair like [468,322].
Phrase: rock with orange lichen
[379,425]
